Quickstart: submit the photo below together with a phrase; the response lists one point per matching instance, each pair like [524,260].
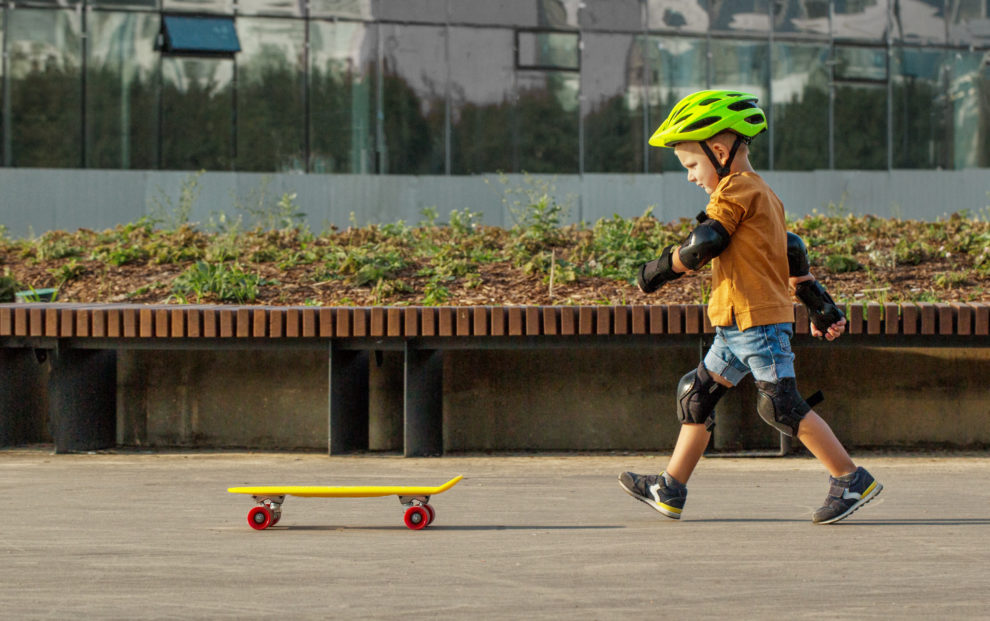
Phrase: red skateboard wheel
[260,518]
[432,512]
[416,518]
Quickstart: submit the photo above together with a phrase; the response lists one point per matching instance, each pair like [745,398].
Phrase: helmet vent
[755,119]
[707,102]
[742,105]
[705,122]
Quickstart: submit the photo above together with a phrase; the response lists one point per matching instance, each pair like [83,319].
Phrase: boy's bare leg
[691,443]
[818,438]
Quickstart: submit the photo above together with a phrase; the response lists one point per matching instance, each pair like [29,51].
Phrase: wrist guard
[821,307]
[653,274]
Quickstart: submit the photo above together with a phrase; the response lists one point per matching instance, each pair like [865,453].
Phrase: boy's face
[699,168]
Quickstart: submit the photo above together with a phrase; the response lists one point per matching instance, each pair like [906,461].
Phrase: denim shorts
[763,350]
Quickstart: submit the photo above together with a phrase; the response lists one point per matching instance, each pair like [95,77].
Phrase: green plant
[9,286]
[173,215]
[70,270]
[839,263]
[228,282]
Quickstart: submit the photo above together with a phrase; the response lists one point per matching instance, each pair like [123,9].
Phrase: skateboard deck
[416,499]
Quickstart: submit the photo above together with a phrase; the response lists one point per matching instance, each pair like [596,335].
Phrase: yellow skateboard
[419,514]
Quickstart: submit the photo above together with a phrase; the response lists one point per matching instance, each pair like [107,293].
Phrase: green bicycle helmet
[704,114]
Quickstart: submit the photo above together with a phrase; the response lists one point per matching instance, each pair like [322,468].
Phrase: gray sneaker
[846,494]
[654,491]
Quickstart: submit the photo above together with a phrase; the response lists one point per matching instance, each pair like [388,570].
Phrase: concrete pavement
[149,536]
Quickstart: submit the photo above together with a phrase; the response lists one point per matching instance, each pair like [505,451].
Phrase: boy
[755,262]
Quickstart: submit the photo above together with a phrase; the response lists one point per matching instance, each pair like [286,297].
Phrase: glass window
[969,22]
[270,95]
[44,63]
[341,97]
[613,102]
[862,20]
[969,94]
[547,50]
[515,13]
[745,66]
[677,67]
[749,17]
[625,15]
[546,118]
[354,9]
[807,17]
[680,16]
[434,11]
[122,90]
[799,82]
[861,63]
[921,21]
[920,109]
[195,34]
[482,78]
[860,126]
[860,113]
[222,7]
[197,113]
[413,101]
[291,8]
[125,4]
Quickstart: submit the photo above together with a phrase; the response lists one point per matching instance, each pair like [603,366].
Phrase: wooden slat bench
[71,333]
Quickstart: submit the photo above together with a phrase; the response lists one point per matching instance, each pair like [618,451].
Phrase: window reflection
[745,66]
[969,22]
[45,108]
[482,85]
[864,20]
[969,92]
[270,90]
[122,90]
[799,82]
[920,109]
[677,15]
[861,126]
[414,86]
[613,103]
[197,113]
[341,99]
[677,67]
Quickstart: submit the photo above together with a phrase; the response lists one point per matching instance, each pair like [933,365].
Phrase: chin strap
[721,170]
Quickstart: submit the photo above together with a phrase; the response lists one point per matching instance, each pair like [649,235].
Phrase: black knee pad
[780,405]
[697,394]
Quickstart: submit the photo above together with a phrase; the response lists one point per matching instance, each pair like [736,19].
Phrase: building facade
[460,87]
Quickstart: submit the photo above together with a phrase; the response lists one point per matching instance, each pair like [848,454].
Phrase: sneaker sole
[672,513]
[862,501]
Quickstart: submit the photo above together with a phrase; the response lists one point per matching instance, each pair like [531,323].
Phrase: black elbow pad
[705,242]
[797,256]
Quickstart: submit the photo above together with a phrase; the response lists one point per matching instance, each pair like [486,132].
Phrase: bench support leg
[22,397]
[347,426]
[82,399]
[423,425]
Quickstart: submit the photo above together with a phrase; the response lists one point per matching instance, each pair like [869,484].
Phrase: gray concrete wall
[38,200]
[608,399]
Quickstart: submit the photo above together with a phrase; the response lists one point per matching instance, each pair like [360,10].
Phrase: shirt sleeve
[726,206]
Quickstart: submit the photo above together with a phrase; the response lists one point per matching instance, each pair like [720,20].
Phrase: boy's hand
[833,332]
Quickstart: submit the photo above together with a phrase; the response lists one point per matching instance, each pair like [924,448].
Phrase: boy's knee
[697,394]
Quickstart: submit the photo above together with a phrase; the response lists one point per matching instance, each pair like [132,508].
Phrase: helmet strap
[720,169]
